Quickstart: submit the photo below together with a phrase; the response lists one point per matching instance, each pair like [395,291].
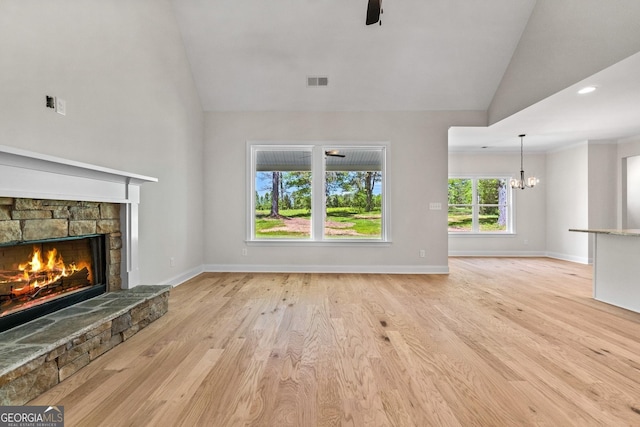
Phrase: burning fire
[45,276]
[37,273]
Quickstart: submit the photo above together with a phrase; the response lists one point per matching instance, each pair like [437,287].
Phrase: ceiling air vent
[317,81]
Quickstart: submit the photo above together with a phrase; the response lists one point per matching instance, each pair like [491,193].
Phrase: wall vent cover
[316,81]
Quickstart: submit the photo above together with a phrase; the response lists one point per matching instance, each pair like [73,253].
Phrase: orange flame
[54,268]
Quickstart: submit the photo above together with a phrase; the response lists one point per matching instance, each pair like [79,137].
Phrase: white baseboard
[497,253]
[376,269]
[523,254]
[183,277]
[363,269]
[572,258]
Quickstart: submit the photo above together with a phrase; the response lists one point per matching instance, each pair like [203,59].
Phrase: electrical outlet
[244,251]
[61,106]
[172,262]
[423,253]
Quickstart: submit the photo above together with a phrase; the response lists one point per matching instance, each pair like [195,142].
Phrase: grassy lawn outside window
[318,193]
[479,205]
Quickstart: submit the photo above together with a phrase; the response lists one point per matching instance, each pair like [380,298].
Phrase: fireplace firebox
[40,277]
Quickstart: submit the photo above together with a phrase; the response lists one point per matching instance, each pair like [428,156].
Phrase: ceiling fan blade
[333,153]
[373,11]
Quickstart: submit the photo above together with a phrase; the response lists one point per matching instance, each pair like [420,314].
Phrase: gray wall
[529,205]
[568,203]
[628,151]
[579,188]
[633,192]
[603,194]
[417,172]
[131,105]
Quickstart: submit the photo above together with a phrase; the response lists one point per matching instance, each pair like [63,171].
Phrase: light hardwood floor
[497,342]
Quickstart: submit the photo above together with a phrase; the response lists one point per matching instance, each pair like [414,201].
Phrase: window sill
[475,235]
[319,243]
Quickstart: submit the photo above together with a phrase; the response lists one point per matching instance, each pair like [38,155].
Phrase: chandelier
[523,183]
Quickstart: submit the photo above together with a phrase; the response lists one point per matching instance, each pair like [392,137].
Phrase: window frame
[475,208]
[318,197]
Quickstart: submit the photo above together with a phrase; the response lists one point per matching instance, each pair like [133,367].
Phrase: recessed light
[587,89]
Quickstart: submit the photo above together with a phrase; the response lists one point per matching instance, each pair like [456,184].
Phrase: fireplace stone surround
[51,196]
[28,175]
[24,220]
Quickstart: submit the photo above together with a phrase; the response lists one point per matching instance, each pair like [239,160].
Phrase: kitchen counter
[616,266]
[612,231]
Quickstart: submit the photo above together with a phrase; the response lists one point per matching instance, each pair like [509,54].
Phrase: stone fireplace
[56,197]
[44,198]
[54,253]
[77,212]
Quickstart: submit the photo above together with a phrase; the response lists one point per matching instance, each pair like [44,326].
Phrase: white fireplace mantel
[38,176]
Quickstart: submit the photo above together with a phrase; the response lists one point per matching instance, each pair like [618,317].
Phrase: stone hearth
[38,355]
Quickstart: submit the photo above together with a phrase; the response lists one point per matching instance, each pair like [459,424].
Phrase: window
[318,193]
[480,205]
[282,192]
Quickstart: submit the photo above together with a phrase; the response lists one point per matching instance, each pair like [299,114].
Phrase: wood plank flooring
[497,342]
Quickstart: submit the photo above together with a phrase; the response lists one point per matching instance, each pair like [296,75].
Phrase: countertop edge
[633,232]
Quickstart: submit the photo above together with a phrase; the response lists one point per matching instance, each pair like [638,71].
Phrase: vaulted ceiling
[256,55]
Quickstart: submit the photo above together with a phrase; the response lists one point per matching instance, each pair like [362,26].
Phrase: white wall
[602,169]
[131,105]
[627,149]
[633,192]
[602,189]
[579,188]
[529,205]
[417,173]
[564,42]
[568,203]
